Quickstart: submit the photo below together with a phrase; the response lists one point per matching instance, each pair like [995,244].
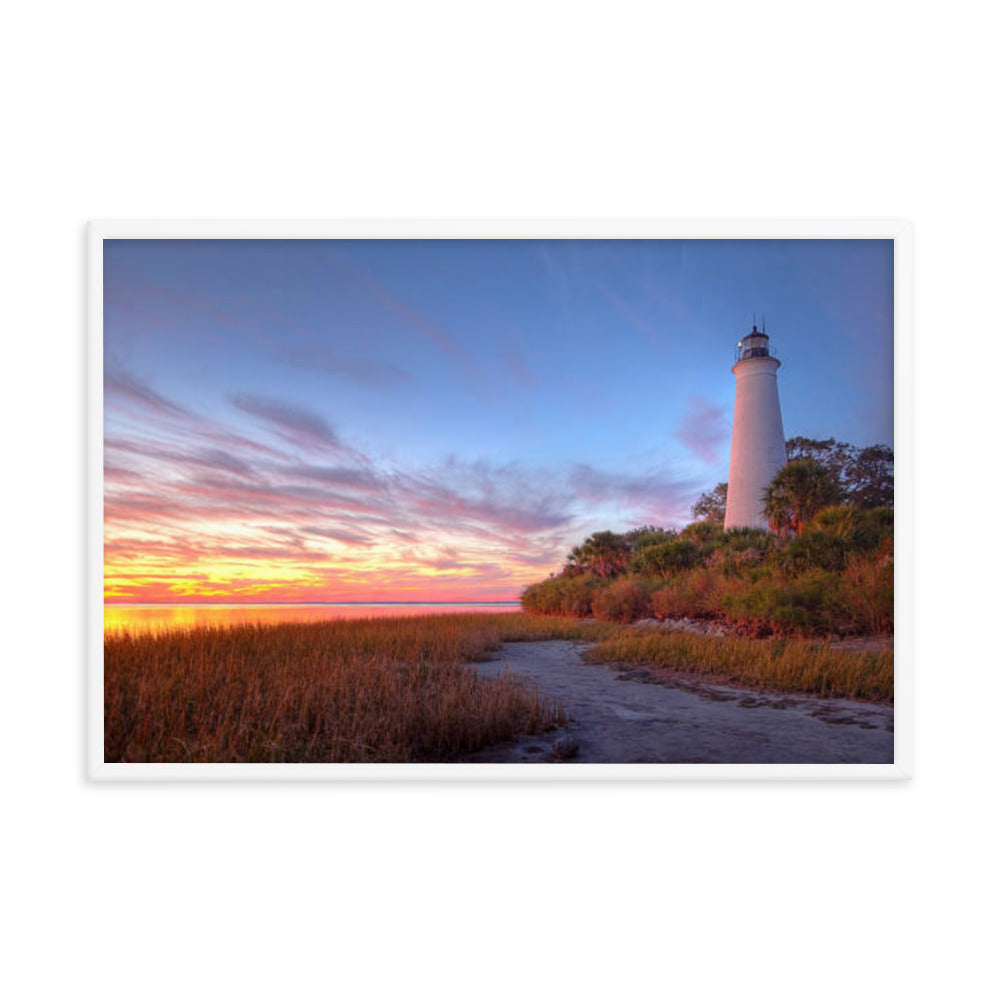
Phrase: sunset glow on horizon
[419,420]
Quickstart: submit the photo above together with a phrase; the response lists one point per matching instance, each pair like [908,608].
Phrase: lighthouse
[758,449]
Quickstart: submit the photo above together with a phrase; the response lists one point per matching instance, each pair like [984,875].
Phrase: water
[155,617]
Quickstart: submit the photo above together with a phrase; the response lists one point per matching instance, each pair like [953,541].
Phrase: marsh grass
[793,665]
[370,690]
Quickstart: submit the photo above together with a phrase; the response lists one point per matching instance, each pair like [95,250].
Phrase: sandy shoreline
[627,715]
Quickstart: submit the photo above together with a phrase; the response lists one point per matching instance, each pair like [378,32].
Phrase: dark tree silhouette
[868,478]
[711,506]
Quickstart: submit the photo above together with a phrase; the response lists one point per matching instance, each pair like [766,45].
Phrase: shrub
[774,605]
[666,557]
[815,550]
[866,593]
[830,539]
[862,530]
[561,595]
[705,533]
[622,601]
[639,538]
[669,602]
[746,557]
[739,549]
[543,598]
[742,539]
[688,595]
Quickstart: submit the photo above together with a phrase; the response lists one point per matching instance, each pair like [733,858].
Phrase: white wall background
[305,110]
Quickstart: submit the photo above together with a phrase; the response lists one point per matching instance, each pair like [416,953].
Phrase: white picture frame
[898,231]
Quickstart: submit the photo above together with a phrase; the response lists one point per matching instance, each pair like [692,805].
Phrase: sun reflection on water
[160,617]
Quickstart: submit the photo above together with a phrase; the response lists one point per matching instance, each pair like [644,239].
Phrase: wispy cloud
[296,425]
[358,369]
[186,517]
[704,430]
[632,316]
[122,389]
[153,416]
[653,496]
[412,319]
[517,366]
[344,535]
[335,475]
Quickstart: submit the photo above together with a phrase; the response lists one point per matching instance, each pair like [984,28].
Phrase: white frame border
[898,231]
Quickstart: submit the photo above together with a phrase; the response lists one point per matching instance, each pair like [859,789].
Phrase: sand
[620,715]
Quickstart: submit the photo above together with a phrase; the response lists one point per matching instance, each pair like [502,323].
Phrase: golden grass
[371,690]
[793,665]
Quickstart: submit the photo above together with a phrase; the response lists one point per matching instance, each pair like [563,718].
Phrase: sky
[354,420]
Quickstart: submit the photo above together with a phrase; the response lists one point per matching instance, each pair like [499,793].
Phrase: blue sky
[493,400]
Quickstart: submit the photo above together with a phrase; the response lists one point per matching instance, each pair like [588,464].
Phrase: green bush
[561,595]
[706,533]
[742,539]
[639,538]
[741,549]
[666,557]
[834,536]
[773,604]
[862,529]
[815,550]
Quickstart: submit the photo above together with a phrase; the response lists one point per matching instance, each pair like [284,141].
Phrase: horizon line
[298,603]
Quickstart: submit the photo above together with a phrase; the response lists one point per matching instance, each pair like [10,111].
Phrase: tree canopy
[868,478]
[711,506]
[864,475]
[605,554]
[800,490]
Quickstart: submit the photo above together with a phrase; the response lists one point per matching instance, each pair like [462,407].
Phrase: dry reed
[371,690]
[794,665]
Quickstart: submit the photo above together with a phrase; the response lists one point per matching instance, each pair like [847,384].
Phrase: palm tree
[797,493]
[604,554]
[574,562]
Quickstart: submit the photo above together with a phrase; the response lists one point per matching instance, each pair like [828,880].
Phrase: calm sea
[154,617]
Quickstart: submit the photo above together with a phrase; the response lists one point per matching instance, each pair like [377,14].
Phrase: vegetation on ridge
[826,567]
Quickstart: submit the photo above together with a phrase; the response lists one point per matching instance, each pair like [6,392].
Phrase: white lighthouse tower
[758,450]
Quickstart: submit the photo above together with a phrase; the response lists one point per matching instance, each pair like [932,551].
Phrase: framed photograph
[499,500]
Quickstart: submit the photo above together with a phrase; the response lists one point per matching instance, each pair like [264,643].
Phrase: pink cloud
[704,430]
[177,502]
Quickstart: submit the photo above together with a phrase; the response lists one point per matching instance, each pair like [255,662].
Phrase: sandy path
[619,717]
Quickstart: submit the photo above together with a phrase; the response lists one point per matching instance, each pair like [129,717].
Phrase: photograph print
[501,506]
